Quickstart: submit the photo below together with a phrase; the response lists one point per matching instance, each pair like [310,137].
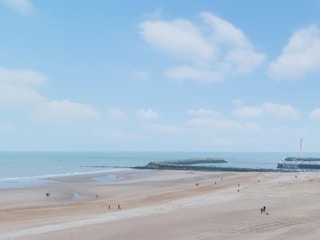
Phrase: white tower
[300,148]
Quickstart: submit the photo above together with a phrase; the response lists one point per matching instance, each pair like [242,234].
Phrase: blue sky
[203,75]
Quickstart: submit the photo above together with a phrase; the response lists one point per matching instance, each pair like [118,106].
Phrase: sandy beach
[165,205]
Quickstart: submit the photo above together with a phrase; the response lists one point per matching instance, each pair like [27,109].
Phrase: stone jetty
[197,164]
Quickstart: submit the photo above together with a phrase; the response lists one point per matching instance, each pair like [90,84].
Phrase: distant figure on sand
[48,194]
[109,207]
[119,206]
[263,209]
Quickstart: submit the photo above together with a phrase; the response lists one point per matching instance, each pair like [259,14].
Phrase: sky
[141,75]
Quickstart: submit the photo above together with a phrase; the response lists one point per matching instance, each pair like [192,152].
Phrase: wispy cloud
[164,128]
[116,113]
[147,114]
[315,114]
[65,112]
[202,112]
[285,111]
[239,52]
[281,111]
[180,37]
[17,87]
[222,50]
[245,112]
[18,95]
[237,102]
[21,76]
[24,7]
[221,126]
[300,57]
[141,75]
[185,72]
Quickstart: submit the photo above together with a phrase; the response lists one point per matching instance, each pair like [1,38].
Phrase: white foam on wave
[33,181]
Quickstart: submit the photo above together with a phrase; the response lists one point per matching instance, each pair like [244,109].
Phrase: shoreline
[42,180]
[107,175]
[189,205]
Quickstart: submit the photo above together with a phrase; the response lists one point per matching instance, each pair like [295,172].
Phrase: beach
[165,205]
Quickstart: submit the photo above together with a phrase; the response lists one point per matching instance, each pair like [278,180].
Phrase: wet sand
[165,205]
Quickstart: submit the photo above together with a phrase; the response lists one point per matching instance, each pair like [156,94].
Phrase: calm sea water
[34,166]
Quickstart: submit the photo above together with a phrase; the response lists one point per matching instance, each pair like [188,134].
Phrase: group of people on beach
[97,196]
[109,207]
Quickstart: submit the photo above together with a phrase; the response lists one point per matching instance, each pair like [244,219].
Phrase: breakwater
[193,161]
[193,165]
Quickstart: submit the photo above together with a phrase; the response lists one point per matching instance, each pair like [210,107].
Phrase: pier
[299,165]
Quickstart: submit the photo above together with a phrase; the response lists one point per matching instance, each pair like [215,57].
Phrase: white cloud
[65,112]
[179,37]
[18,95]
[209,55]
[17,87]
[245,112]
[21,76]
[244,60]
[202,112]
[147,114]
[164,128]
[117,113]
[284,111]
[315,114]
[281,110]
[189,73]
[225,32]
[22,6]
[300,57]
[238,50]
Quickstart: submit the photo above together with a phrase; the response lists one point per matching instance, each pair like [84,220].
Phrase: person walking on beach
[119,206]
[263,210]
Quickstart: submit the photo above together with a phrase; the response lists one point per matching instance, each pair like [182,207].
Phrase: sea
[25,169]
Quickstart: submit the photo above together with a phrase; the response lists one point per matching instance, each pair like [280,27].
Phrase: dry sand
[166,205]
